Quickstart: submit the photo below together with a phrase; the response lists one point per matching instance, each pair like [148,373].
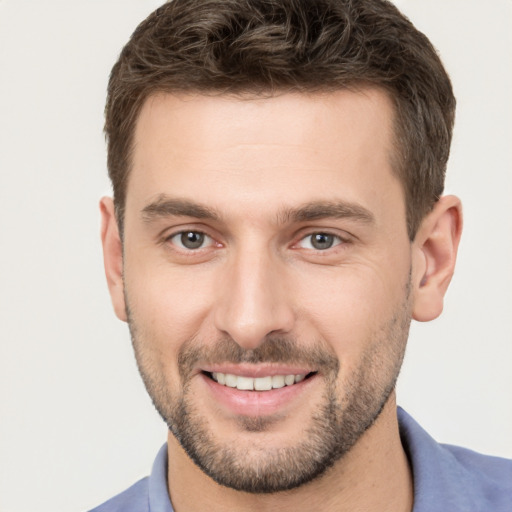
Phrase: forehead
[257,152]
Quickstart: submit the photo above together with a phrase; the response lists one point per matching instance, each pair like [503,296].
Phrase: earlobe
[113,256]
[434,255]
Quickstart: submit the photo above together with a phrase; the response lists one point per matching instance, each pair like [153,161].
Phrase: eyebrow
[165,206]
[316,210]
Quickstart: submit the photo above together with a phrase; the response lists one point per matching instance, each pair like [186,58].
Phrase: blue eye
[320,241]
[191,240]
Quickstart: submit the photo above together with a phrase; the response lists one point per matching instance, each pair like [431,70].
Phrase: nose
[252,300]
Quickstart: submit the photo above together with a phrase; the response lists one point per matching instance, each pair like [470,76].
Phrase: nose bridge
[253,302]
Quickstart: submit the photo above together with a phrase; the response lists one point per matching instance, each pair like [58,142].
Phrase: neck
[374,476]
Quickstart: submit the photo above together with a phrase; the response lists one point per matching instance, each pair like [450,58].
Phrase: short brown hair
[267,46]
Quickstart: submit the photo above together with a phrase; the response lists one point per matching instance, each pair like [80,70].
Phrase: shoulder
[491,474]
[147,494]
[133,499]
[454,478]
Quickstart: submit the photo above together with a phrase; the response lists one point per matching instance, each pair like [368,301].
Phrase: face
[266,277]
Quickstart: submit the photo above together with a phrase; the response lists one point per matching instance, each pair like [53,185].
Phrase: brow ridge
[317,210]
[165,206]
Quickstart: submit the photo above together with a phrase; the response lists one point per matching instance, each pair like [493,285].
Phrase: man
[277,222]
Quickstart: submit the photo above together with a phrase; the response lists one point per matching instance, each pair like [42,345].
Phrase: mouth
[262,383]
[246,390]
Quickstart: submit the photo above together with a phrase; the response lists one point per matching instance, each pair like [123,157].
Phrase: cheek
[169,304]
[348,306]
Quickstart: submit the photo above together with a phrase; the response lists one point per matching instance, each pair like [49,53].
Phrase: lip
[254,371]
[257,403]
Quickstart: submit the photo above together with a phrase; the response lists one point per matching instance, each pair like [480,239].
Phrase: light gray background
[76,425]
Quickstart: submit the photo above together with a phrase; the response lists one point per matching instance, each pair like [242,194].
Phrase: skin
[258,277]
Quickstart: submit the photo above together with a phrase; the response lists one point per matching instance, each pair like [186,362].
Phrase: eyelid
[168,235]
[207,241]
[342,239]
[336,241]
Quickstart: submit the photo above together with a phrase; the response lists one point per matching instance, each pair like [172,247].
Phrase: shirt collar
[159,500]
[440,481]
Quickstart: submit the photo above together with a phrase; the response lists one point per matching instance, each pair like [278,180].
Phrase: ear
[434,254]
[113,256]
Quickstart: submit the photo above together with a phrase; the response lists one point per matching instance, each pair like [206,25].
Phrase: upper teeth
[258,383]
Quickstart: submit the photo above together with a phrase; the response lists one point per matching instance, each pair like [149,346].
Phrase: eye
[320,241]
[190,240]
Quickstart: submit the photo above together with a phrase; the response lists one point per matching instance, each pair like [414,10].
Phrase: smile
[256,383]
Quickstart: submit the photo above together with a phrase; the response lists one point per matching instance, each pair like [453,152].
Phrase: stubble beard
[340,419]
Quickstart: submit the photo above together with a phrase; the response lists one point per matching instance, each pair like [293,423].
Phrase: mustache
[273,350]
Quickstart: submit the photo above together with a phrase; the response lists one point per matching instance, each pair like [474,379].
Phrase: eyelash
[336,240]
[183,233]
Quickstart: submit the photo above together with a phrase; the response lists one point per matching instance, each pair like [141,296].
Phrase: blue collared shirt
[446,479]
